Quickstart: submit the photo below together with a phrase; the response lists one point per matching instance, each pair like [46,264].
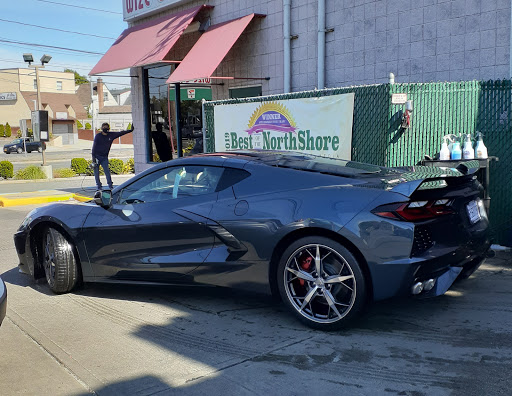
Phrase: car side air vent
[422,240]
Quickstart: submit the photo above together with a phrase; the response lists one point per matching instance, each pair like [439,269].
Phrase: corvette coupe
[326,236]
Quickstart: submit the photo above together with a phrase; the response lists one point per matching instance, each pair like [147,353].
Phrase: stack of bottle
[451,148]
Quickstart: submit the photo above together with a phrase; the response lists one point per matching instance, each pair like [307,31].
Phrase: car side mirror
[103,198]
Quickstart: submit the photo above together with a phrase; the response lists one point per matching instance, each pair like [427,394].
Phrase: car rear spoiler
[430,177]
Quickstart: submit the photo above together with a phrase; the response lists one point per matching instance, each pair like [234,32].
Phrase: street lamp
[44,59]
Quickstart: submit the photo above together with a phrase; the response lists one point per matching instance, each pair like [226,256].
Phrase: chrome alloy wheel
[49,258]
[320,283]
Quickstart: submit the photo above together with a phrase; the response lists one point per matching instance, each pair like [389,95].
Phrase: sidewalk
[31,192]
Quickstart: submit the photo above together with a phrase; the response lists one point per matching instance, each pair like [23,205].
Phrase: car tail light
[415,210]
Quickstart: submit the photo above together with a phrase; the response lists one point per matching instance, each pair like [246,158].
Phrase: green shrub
[88,126]
[89,171]
[2,130]
[63,173]
[8,131]
[79,165]
[79,125]
[19,133]
[116,166]
[31,172]
[6,169]
[129,126]
[30,133]
[129,166]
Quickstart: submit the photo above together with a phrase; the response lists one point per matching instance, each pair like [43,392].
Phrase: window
[59,85]
[156,97]
[105,96]
[35,83]
[172,183]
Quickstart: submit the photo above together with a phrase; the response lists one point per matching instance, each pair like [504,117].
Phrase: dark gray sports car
[327,236]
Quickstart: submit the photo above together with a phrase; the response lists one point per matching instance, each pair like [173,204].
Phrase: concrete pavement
[140,340]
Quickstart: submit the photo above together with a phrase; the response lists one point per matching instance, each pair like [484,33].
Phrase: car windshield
[15,141]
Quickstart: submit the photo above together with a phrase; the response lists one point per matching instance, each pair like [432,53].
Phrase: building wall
[12,111]
[418,41]
[48,80]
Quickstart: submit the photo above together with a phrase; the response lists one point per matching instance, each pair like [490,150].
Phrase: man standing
[100,149]
[163,148]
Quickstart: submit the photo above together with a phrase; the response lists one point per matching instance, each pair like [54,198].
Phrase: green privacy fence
[439,109]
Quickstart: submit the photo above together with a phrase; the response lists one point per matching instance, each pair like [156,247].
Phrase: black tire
[39,149]
[59,262]
[29,151]
[336,298]
[19,150]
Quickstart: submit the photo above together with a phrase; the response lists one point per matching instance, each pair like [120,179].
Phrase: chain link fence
[440,109]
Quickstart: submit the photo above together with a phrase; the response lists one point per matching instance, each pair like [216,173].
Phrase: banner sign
[320,126]
[137,8]
[8,96]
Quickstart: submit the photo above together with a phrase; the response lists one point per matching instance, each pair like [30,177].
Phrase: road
[61,158]
[116,339]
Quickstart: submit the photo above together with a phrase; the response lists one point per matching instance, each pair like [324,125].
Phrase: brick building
[247,48]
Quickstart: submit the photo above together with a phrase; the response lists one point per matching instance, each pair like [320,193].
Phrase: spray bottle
[468,152]
[456,153]
[480,149]
[444,154]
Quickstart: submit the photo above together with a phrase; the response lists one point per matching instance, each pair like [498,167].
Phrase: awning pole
[169,116]
[177,94]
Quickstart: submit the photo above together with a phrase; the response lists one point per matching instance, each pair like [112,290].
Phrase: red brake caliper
[305,265]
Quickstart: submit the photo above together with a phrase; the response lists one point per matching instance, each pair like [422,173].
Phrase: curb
[20,199]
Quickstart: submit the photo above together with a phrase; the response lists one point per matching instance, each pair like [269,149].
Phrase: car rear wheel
[19,150]
[321,282]
[59,262]
[39,149]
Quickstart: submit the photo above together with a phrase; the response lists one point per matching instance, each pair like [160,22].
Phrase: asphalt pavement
[23,192]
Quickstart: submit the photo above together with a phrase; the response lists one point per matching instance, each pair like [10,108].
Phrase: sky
[107,22]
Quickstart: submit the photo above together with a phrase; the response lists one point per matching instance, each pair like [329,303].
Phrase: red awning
[147,43]
[211,48]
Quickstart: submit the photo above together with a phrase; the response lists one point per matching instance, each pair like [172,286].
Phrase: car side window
[172,183]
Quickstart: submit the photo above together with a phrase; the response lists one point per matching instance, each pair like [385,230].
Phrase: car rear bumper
[3,300]
[442,264]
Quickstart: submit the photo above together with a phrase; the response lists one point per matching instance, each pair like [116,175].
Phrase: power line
[53,51]
[50,46]
[59,30]
[75,6]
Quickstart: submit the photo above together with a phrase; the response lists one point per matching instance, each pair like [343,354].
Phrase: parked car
[17,146]
[3,301]
[325,235]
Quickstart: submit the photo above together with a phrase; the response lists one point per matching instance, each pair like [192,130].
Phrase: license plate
[473,212]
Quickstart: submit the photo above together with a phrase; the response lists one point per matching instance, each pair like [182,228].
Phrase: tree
[79,80]
[7,130]
[2,130]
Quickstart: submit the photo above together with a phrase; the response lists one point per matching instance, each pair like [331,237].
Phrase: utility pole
[44,59]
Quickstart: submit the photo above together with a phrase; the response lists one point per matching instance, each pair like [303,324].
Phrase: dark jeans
[103,161]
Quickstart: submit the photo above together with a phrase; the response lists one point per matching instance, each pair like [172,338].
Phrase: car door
[156,231]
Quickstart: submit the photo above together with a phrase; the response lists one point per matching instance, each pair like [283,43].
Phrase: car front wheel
[321,282]
[60,264]
[19,150]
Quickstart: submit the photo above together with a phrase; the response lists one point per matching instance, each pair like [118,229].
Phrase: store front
[173,60]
